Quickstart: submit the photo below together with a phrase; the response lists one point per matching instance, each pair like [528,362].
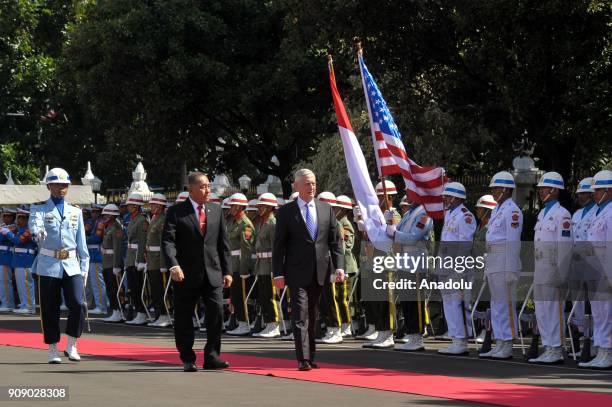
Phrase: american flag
[423,184]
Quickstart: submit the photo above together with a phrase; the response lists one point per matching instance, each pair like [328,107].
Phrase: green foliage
[19,162]
[224,85]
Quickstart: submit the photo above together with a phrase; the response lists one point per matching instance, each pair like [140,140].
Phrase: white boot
[480,338]
[288,337]
[334,335]
[384,340]
[345,330]
[414,343]
[161,322]
[71,349]
[54,356]
[97,311]
[272,330]
[505,352]
[552,355]
[370,334]
[603,360]
[114,317]
[458,347]
[497,348]
[242,329]
[141,319]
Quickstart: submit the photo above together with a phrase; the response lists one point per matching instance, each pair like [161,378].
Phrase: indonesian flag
[365,195]
[424,185]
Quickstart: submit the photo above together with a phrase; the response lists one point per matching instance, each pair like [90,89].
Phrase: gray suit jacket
[296,256]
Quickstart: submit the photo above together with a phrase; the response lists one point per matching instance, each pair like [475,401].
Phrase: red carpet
[448,387]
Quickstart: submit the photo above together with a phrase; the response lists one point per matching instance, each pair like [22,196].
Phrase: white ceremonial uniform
[503,266]
[459,226]
[579,268]
[599,236]
[552,254]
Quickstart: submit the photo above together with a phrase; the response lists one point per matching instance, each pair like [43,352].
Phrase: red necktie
[202,218]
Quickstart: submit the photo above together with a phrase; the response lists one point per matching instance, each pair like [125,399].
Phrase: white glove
[141,266]
[361,226]
[388,216]
[357,211]
[116,270]
[84,279]
[163,270]
[4,230]
[42,235]
[244,276]
[391,230]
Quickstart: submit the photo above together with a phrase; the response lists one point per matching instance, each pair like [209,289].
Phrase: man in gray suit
[306,240]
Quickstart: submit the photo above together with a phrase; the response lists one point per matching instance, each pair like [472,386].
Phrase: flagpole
[379,167]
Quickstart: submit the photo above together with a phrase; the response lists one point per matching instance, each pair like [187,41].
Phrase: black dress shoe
[313,365]
[215,364]
[304,366]
[190,367]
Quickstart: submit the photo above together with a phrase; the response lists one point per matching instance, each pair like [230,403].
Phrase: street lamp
[96,184]
[245,183]
[90,179]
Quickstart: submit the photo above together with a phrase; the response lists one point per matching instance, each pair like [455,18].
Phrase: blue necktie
[310,225]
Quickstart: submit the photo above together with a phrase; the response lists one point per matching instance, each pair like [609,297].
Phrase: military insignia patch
[248,233]
[468,220]
[424,218]
[566,224]
[514,225]
[464,210]
[420,225]
[515,216]
[566,233]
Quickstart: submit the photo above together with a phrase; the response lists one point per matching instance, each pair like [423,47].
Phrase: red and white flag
[365,195]
[423,184]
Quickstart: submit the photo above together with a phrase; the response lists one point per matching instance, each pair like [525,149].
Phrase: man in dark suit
[198,256]
[306,240]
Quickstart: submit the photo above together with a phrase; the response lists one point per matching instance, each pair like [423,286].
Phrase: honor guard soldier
[456,242]
[241,238]
[94,230]
[156,263]
[331,307]
[61,265]
[599,236]
[135,259]
[226,212]
[412,234]
[581,272]
[24,253]
[484,206]
[267,294]
[503,265]
[552,254]
[112,258]
[7,300]
[384,310]
[344,205]
[251,210]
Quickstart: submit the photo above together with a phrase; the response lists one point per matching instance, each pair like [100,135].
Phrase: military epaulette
[464,209]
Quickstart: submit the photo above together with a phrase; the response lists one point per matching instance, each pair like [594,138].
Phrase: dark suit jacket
[295,256]
[184,245]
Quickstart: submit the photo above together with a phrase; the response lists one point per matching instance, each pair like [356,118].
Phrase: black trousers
[268,299]
[304,313]
[156,284]
[50,300]
[185,300]
[135,283]
[110,281]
